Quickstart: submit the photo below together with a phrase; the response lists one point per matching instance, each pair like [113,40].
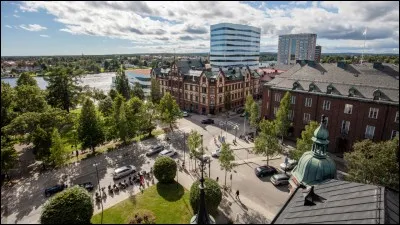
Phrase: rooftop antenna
[365,38]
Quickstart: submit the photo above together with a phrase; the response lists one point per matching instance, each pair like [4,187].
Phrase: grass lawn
[169,204]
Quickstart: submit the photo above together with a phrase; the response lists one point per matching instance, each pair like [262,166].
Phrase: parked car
[169,153]
[185,114]
[240,111]
[155,150]
[88,186]
[243,114]
[216,153]
[124,171]
[204,158]
[207,121]
[263,171]
[279,179]
[55,189]
[290,165]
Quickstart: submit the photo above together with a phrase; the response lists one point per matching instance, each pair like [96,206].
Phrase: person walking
[237,195]
[217,179]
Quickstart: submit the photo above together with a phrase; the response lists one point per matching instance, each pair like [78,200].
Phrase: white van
[124,171]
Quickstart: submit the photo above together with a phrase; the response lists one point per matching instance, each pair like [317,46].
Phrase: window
[186,96]
[326,119]
[191,87]
[204,89]
[220,90]
[396,118]
[369,132]
[345,127]
[373,113]
[348,108]
[220,99]
[326,105]
[197,88]
[306,118]
[291,115]
[293,100]
[308,102]
[212,90]
[275,110]
[204,100]
[197,98]
[395,133]
[267,106]
[204,79]
[186,86]
[277,97]
[220,79]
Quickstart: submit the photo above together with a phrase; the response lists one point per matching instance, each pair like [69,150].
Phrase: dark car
[55,189]
[155,150]
[240,111]
[88,186]
[263,171]
[207,121]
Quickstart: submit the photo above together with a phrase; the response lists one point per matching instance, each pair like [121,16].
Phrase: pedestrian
[77,154]
[217,179]
[237,194]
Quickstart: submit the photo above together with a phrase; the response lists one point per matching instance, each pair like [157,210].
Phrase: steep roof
[345,203]
[362,77]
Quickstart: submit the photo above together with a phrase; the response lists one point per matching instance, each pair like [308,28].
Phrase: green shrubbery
[165,169]
[213,195]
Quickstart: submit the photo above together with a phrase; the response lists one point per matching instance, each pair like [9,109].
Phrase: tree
[57,151]
[147,115]
[7,103]
[112,93]
[213,195]
[227,102]
[62,88]
[137,91]
[9,156]
[29,98]
[225,159]
[194,142]
[266,142]
[165,169]
[374,163]
[90,130]
[282,121]
[169,110]
[155,93]
[26,79]
[304,143]
[72,206]
[122,124]
[106,106]
[248,104]
[122,84]
[254,114]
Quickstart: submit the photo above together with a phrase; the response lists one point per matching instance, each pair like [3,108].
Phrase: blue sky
[71,28]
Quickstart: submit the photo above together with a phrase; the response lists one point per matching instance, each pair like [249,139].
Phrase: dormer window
[377,95]
[329,89]
[295,85]
[311,87]
[352,92]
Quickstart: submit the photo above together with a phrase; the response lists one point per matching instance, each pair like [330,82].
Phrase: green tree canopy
[194,143]
[374,163]
[8,96]
[266,143]
[228,102]
[29,98]
[248,104]
[9,156]
[169,110]
[58,154]
[155,92]
[137,91]
[254,115]
[148,115]
[213,195]
[282,121]
[165,169]
[26,79]
[304,143]
[90,129]
[106,106]
[226,158]
[122,84]
[71,206]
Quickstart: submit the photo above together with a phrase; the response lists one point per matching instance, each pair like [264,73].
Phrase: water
[100,81]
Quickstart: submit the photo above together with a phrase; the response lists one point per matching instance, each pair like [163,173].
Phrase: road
[23,202]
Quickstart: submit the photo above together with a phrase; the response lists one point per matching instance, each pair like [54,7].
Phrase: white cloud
[44,35]
[8,26]
[32,27]
[298,3]
[16,16]
[186,24]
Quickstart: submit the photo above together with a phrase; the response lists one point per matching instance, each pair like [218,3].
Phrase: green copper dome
[315,166]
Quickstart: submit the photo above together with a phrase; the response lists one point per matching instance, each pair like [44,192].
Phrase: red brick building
[360,101]
[202,91]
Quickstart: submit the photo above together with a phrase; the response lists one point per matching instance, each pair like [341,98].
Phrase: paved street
[23,202]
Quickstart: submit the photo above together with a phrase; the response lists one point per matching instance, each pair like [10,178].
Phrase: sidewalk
[257,159]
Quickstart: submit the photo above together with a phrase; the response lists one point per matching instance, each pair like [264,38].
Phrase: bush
[72,206]
[213,195]
[165,169]
[143,216]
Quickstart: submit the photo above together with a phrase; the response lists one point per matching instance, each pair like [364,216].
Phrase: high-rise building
[318,53]
[233,45]
[294,47]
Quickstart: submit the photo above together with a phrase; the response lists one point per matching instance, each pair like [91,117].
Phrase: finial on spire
[323,119]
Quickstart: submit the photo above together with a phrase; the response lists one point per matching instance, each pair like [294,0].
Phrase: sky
[97,28]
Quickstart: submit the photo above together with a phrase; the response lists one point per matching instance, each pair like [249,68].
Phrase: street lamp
[98,184]
[184,149]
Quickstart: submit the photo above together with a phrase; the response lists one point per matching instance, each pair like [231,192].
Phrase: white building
[234,45]
[294,47]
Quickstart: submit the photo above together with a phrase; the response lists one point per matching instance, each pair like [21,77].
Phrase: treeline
[393,59]
[65,115]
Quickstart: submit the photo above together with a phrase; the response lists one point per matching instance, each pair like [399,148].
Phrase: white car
[123,171]
[205,158]
[216,153]
[169,153]
[185,114]
[290,165]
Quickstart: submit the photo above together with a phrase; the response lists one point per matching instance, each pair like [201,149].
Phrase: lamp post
[209,168]
[98,184]
[184,149]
